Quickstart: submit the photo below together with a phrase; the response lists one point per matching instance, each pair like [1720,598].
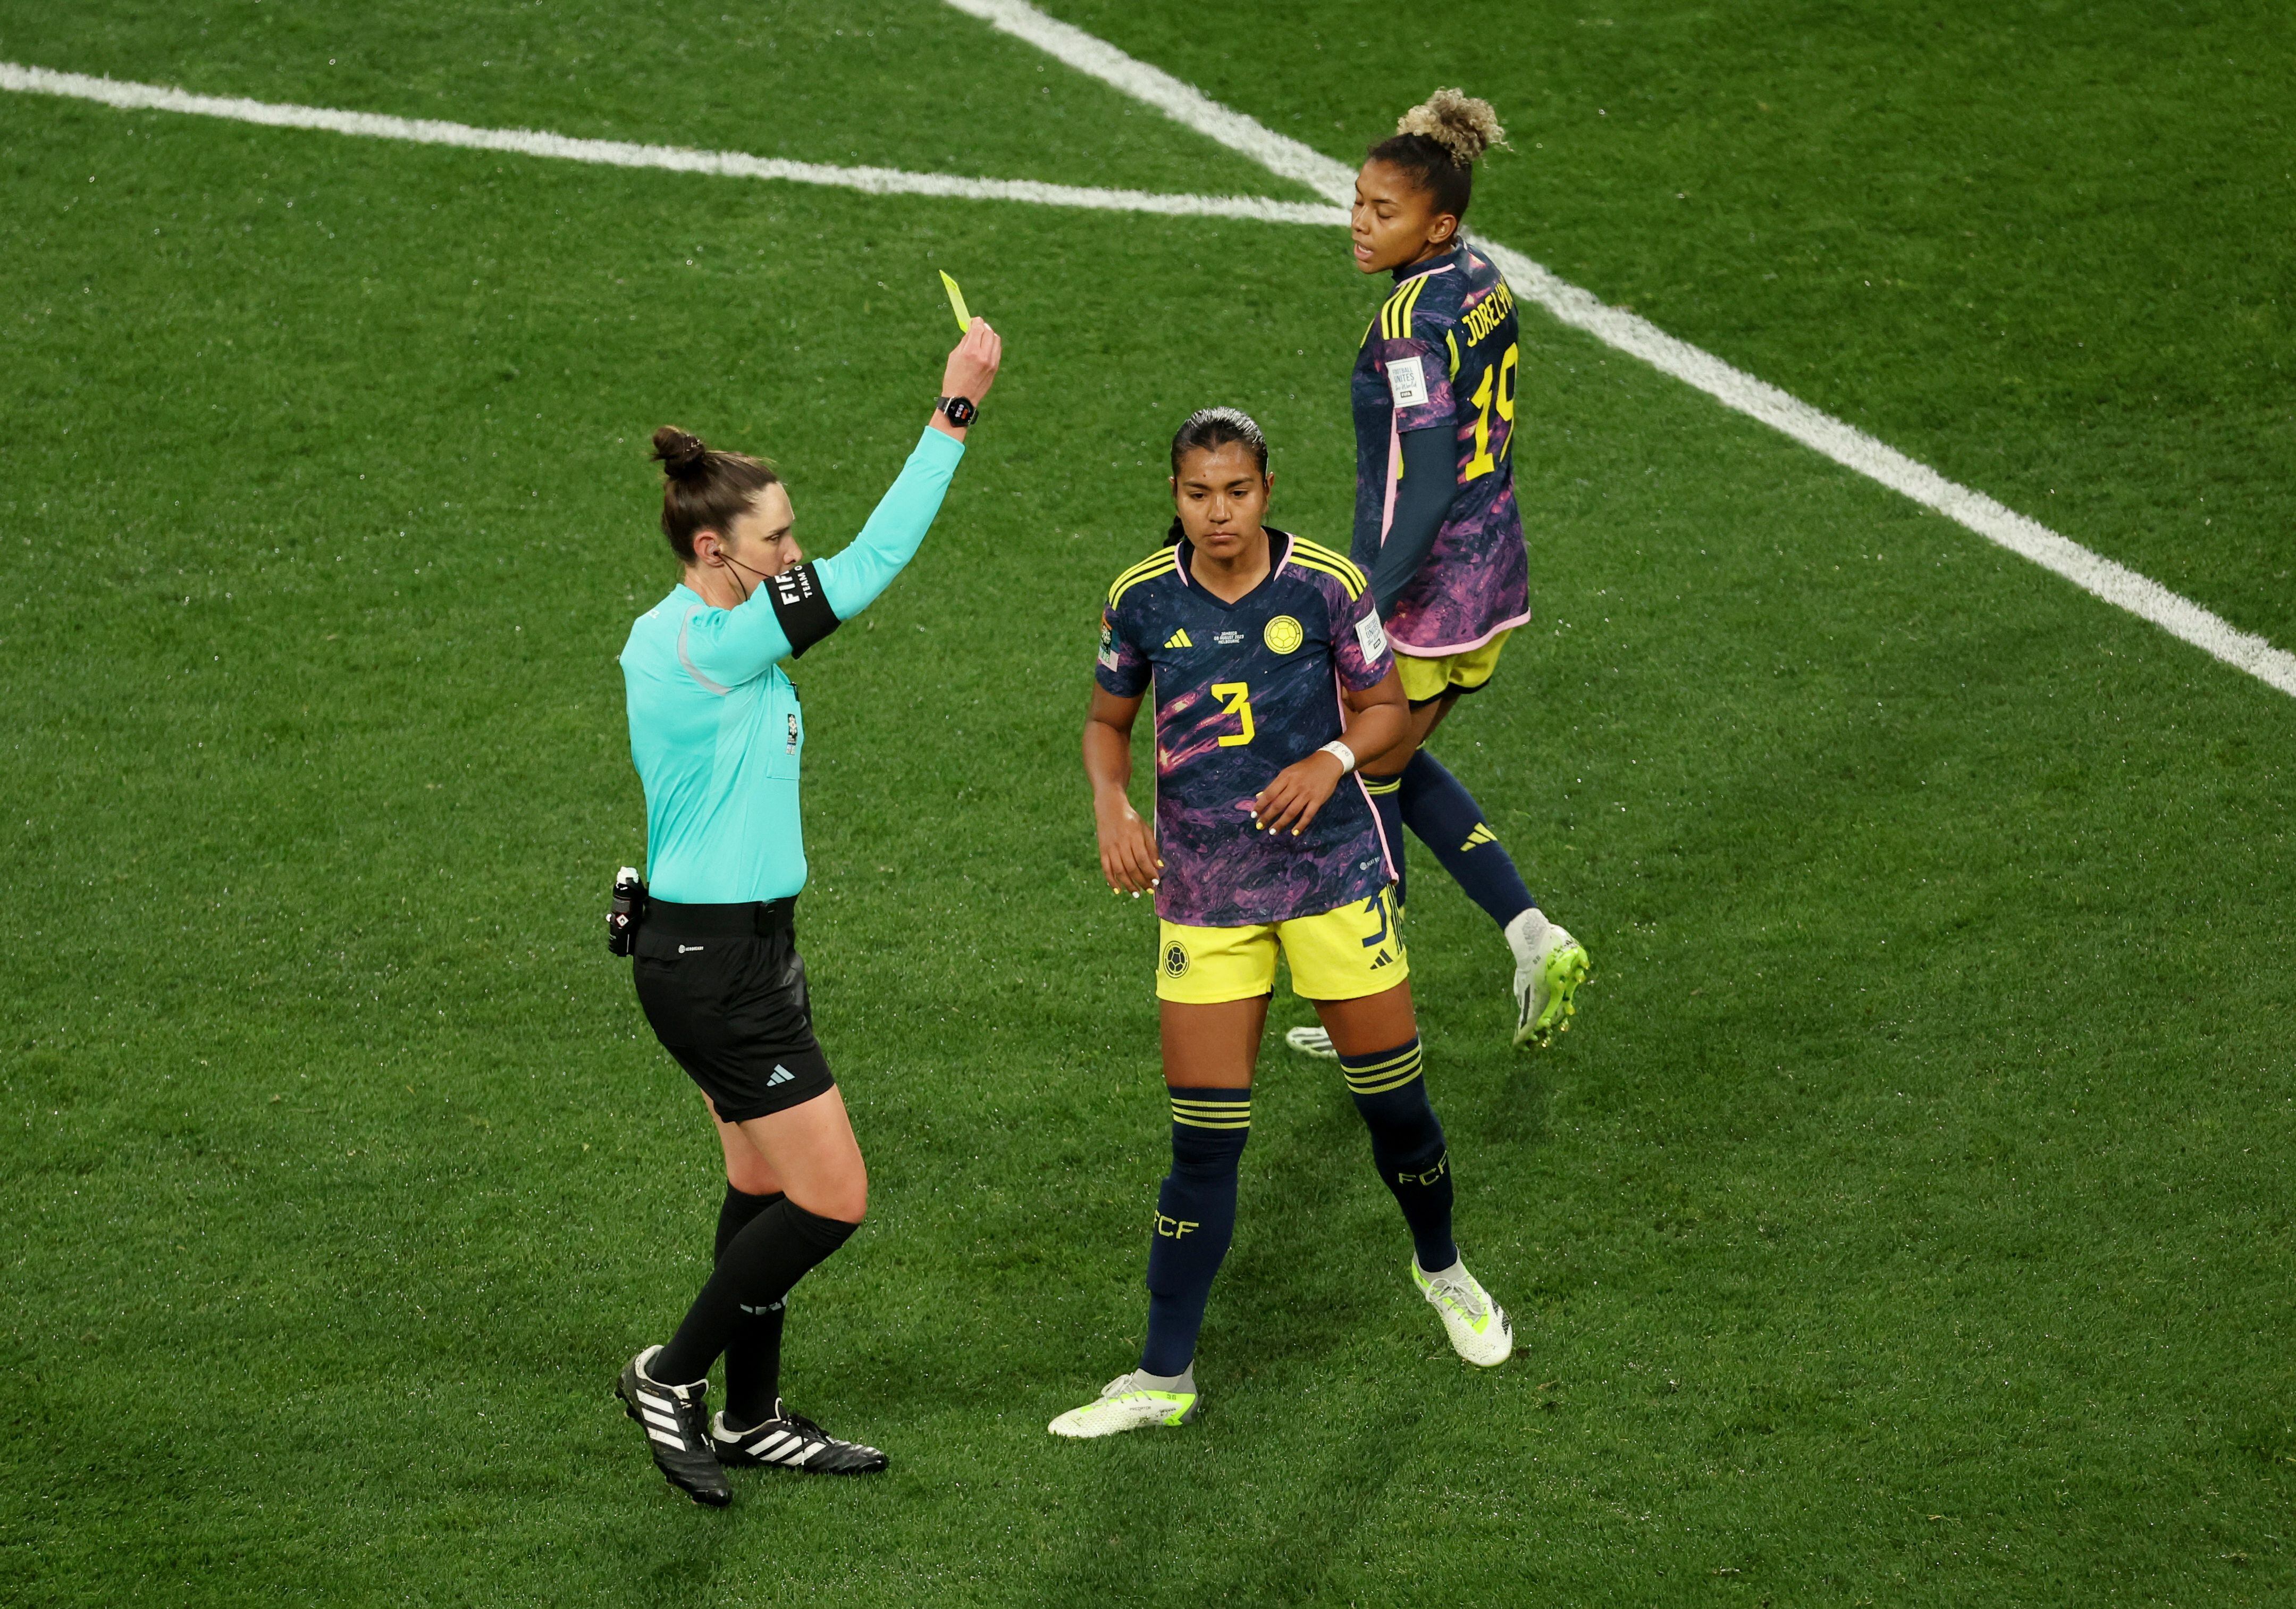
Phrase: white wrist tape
[1340,752]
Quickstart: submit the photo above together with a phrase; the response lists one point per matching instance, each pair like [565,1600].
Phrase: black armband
[802,608]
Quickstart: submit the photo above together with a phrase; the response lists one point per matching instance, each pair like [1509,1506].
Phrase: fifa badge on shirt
[1108,655]
[792,732]
[1406,382]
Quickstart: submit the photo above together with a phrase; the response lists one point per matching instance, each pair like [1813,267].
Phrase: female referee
[1435,522]
[716,733]
[1271,675]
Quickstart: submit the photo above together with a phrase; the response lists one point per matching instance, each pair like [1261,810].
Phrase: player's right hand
[972,367]
[1127,852]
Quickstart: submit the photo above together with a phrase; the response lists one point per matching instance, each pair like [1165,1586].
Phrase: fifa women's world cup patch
[1284,635]
[1108,655]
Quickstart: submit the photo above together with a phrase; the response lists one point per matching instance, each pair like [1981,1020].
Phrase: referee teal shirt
[714,726]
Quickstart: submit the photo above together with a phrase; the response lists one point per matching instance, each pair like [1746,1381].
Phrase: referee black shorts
[723,987]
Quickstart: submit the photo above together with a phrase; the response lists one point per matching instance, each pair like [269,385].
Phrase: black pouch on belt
[627,913]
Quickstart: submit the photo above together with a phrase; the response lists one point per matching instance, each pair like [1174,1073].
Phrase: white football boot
[1128,1402]
[1549,966]
[1479,1327]
[1311,1042]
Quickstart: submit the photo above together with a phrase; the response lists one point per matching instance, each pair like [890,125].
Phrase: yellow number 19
[1235,699]
[1498,386]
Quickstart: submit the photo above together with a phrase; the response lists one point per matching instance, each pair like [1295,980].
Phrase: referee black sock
[1195,1220]
[753,1353]
[1407,1144]
[770,1254]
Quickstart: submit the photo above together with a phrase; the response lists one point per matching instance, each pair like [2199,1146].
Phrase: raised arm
[792,609]
[852,578]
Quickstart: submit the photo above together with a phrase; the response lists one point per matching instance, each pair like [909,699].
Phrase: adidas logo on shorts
[782,1075]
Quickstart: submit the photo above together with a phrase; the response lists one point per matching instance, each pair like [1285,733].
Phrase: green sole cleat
[1128,1402]
[1548,971]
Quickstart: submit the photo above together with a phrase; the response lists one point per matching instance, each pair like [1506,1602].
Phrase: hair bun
[681,454]
[1460,123]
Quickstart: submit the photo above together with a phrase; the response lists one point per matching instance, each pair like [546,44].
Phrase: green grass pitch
[1908,1219]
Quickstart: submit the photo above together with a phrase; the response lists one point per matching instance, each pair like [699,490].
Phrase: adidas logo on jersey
[1178,639]
[1480,836]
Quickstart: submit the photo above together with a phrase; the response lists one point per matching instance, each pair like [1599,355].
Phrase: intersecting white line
[677,158]
[1844,443]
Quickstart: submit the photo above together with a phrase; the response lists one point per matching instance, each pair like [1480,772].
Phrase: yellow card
[956,302]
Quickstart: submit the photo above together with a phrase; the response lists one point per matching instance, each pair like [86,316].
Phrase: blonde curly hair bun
[1462,124]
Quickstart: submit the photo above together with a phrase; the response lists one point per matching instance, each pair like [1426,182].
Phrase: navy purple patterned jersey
[1243,690]
[1443,353]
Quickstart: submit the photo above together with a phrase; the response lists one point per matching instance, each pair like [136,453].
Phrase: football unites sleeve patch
[1372,636]
[1407,382]
[1360,654]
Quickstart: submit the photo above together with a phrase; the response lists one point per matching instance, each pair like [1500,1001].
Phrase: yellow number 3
[1235,699]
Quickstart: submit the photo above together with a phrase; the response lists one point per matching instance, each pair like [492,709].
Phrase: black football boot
[790,1440]
[676,1423]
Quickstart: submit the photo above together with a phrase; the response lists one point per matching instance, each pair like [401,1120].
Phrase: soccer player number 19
[1498,385]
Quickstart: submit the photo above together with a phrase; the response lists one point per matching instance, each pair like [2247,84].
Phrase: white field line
[617,153]
[1844,443]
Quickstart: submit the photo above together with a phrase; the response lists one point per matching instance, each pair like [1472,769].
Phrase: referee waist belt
[751,918]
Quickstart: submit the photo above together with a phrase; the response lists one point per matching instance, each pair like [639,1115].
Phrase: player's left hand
[1297,793]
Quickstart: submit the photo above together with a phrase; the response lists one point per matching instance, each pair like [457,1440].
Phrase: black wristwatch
[959,409]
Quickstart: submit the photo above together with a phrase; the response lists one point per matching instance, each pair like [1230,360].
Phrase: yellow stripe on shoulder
[1353,588]
[1320,557]
[1411,304]
[1147,569]
[1391,306]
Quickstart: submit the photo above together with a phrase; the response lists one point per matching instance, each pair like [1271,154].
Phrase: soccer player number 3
[1235,699]
[1498,385]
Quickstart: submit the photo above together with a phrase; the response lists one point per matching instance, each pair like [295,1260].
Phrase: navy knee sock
[1407,1144]
[1195,1220]
[753,1352]
[772,1251]
[1448,821]
[1386,798]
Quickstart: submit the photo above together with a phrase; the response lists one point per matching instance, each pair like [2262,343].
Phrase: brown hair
[703,489]
[1437,143]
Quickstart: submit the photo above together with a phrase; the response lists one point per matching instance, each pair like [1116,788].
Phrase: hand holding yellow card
[956,302]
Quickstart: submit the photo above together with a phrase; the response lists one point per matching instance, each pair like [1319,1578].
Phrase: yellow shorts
[1424,681]
[1342,955]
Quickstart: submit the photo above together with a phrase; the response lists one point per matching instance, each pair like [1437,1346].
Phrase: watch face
[960,410]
